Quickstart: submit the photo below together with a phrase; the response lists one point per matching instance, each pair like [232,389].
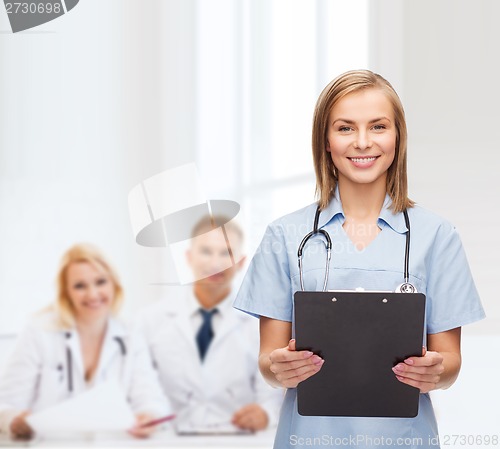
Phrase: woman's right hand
[290,367]
[20,428]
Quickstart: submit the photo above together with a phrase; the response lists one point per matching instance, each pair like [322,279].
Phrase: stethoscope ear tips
[406,288]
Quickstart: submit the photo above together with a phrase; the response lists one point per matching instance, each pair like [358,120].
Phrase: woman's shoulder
[428,221]
[40,329]
[45,320]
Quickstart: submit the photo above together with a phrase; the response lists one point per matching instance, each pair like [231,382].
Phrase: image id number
[469,440]
[33,8]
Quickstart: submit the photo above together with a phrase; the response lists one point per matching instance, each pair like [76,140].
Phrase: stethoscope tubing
[328,244]
[407,248]
[69,359]
[69,364]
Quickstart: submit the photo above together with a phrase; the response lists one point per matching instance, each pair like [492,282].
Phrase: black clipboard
[361,336]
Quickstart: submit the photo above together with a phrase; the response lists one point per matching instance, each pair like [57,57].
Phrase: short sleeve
[266,288]
[452,297]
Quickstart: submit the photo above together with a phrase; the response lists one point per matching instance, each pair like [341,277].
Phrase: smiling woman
[359,151]
[362,136]
[76,344]
[86,283]
[89,289]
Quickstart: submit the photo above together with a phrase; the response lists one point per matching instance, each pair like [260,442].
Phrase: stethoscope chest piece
[406,287]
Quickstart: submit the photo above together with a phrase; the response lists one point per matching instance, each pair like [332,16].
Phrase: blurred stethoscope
[69,359]
[405,287]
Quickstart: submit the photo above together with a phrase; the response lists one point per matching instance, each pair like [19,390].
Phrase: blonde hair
[82,252]
[326,174]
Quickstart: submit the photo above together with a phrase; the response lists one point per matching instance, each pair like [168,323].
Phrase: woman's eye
[378,127]
[79,286]
[102,281]
[344,129]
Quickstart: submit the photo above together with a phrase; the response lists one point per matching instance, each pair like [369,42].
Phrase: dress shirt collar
[223,307]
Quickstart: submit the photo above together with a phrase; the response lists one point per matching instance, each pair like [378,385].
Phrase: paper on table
[103,408]
[219,429]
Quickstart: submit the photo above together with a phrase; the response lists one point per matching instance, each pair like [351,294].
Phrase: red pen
[155,422]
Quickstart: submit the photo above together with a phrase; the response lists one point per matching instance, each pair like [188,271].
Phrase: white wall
[441,56]
[91,104]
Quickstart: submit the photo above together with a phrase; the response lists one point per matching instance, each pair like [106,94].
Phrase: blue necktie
[205,333]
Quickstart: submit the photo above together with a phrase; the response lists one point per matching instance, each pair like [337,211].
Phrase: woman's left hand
[142,432]
[423,372]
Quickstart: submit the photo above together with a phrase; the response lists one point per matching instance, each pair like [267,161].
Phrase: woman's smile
[364,161]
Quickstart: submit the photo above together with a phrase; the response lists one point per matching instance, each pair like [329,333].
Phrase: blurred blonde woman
[75,344]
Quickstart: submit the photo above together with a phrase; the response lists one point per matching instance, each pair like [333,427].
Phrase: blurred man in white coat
[206,351]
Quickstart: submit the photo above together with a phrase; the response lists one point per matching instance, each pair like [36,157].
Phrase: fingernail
[409,361]
[397,368]
[399,377]
[307,354]
[321,361]
[315,359]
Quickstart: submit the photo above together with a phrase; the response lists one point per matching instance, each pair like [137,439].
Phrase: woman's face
[361,136]
[90,290]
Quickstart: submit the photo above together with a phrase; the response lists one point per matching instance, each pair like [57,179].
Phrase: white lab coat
[208,393]
[36,375]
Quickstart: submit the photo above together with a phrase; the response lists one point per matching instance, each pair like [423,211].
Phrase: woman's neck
[92,334]
[362,202]
[92,328]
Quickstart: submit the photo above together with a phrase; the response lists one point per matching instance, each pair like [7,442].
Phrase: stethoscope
[405,287]
[69,358]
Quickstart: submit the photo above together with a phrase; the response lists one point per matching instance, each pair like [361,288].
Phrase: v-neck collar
[334,209]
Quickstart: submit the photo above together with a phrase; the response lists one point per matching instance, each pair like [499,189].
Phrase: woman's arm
[279,362]
[438,367]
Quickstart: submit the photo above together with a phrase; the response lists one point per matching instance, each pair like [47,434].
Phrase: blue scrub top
[438,268]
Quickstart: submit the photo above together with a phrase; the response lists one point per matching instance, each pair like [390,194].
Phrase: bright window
[261,66]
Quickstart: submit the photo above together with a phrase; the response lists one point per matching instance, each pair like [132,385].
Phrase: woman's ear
[327,148]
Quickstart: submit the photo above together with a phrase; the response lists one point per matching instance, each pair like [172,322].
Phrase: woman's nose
[363,140]
[93,292]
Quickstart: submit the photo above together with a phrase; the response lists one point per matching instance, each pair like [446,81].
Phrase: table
[165,439]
